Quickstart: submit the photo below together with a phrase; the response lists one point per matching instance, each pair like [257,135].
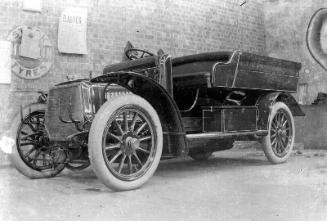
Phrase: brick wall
[179,27]
[286,24]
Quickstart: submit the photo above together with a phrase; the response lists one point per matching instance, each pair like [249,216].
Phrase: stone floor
[232,185]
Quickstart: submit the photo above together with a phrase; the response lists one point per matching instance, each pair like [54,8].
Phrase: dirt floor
[232,185]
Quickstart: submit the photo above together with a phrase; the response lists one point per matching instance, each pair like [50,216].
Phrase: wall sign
[72,31]
[32,52]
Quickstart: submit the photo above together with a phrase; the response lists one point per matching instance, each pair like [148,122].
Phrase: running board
[221,135]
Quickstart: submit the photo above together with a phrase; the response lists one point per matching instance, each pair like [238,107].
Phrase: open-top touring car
[154,107]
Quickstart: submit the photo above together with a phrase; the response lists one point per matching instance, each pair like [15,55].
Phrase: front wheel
[278,144]
[125,142]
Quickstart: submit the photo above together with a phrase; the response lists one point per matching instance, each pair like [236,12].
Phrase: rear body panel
[239,70]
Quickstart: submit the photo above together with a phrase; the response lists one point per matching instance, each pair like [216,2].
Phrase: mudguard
[161,101]
[265,102]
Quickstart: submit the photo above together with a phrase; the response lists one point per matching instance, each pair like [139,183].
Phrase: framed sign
[72,31]
[32,52]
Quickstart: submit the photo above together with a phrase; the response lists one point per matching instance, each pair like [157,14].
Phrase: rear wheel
[32,154]
[125,142]
[278,144]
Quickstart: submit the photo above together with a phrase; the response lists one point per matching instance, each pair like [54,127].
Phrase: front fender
[161,101]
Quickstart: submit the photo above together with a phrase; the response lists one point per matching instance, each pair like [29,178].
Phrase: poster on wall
[32,52]
[5,62]
[72,31]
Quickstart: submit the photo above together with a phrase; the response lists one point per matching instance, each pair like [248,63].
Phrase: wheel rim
[281,133]
[129,143]
[33,144]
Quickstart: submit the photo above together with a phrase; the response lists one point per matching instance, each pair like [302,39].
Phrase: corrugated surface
[61,102]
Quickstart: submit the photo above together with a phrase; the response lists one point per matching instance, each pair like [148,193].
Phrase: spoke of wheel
[27,143]
[118,127]
[274,141]
[31,126]
[142,54]
[274,145]
[133,122]
[29,152]
[130,164]
[115,157]
[125,122]
[28,136]
[143,150]
[144,138]
[277,146]
[274,123]
[115,136]
[111,147]
[35,157]
[273,135]
[285,122]
[121,163]
[281,146]
[279,119]
[282,119]
[140,128]
[23,132]
[283,142]
[137,159]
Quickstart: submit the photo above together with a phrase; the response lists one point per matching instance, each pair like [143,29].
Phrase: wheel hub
[281,132]
[130,144]
[43,140]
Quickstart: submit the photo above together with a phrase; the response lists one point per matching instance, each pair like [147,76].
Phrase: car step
[223,135]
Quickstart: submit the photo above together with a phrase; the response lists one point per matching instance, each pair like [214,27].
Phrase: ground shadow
[167,167]
[216,162]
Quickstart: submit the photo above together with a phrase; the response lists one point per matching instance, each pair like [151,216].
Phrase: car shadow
[216,163]
[168,167]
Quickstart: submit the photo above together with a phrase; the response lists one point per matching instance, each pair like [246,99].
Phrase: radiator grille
[64,103]
[76,101]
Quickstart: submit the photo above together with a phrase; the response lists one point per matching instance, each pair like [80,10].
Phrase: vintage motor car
[155,107]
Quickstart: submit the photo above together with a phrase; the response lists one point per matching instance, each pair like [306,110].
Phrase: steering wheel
[135,53]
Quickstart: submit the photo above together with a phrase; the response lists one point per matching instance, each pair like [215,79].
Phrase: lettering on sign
[32,52]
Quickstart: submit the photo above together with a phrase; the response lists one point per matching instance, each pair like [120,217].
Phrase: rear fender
[162,102]
[266,101]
